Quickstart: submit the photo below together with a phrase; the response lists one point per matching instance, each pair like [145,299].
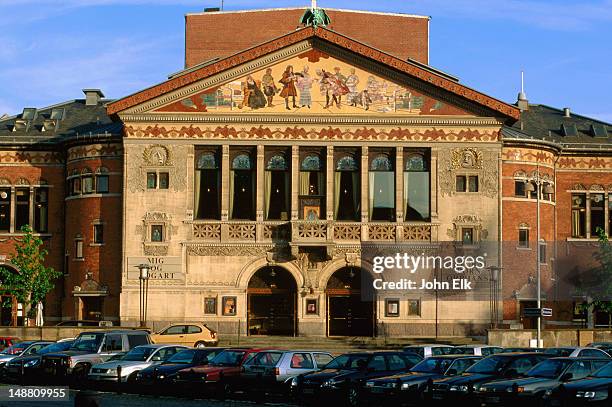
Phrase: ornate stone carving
[94,151]
[30,157]
[242,232]
[472,221]
[381,232]
[277,232]
[207,231]
[579,187]
[421,233]
[312,231]
[170,159]
[468,157]
[155,250]
[472,161]
[347,232]
[597,187]
[241,250]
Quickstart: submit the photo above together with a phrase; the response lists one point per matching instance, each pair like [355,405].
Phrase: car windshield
[492,364]
[138,354]
[432,365]
[184,356]
[605,371]
[87,342]
[56,347]
[228,358]
[15,349]
[351,362]
[558,351]
[549,369]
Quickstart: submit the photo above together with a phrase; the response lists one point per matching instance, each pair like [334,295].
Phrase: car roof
[580,358]
[296,350]
[430,345]
[477,346]
[456,356]
[116,331]
[160,345]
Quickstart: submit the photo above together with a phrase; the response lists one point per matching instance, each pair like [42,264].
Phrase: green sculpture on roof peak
[315,16]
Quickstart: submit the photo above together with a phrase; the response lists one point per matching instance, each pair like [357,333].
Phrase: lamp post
[494,293]
[539,181]
[143,278]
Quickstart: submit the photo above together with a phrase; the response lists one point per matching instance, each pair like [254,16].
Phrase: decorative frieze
[228,250]
[30,157]
[421,233]
[347,232]
[381,232]
[95,151]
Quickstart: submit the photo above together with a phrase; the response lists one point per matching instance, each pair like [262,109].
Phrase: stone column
[433,184]
[31,208]
[399,192]
[259,194]
[295,182]
[13,210]
[588,215]
[225,174]
[329,183]
[365,209]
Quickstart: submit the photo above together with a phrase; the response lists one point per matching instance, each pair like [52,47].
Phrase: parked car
[7,341]
[163,375]
[90,348]
[576,351]
[412,387]
[426,351]
[85,323]
[592,391]
[270,370]
[132,362]
[20,349]
[523,349]
[605,346]
[478,350]
[27,367]
[192,334]
[543,377]
[343,378]
[219,377]
[459,390]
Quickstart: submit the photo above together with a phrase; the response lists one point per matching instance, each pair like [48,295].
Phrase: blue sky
[51,49]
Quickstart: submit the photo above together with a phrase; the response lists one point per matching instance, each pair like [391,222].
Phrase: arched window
[417,193]
[277,188]
[312,187]
[347,187]
[242,162]
[242,188]
[207,161]
[311,163]
[207,188]
[381,189]
[87,181]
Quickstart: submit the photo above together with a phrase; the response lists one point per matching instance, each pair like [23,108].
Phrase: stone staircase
[338,345]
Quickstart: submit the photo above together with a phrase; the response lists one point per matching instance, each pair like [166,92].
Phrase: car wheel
[200,345]
[80,373]
[352,396]
[131,379]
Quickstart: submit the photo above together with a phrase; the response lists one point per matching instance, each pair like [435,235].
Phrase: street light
[539,181]
[143,278]
[494,293]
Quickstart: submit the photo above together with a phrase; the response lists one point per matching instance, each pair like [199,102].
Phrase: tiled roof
[78,120]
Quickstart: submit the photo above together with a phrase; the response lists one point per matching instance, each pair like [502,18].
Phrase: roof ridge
[306,7]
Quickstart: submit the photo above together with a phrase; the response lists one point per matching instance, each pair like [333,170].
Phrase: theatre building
[252,181]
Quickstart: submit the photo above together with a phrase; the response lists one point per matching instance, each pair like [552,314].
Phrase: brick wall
[211,35]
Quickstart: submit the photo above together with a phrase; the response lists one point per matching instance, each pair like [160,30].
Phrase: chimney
[566,112]
[92,96]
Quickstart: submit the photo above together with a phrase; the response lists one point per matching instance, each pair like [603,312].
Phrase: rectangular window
[392,307]
[523,238]
[542,253]
[414,307]
[98,234]
[151,180]
[41,209]
[101,184]
[473,183]
[210,305]
[578,215]
[467,235]
[75,186]
[519,189]
[164,180]
[157,233]
[5,209]
[87,184]
[78,249]
[22,212]
[460,183]
[598,213]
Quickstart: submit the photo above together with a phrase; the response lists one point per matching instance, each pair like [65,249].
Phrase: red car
[219,376]
[7,341]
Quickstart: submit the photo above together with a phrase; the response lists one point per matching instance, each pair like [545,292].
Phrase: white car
[478,350]
[132,362]
[428,350]
[576,351]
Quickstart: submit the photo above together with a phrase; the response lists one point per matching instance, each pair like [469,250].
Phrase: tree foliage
[597,285]
[33,280]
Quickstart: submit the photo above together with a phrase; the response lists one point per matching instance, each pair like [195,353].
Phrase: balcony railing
[311,232]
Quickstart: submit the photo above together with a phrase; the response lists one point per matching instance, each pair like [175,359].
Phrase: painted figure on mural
[334,89]
[253,96]
[351,83]
[304,85]
[362,99]
[288,80]
[269,87]
[373,87]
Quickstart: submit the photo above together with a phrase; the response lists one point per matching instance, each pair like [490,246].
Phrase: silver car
[478,350]
[577,351]
[132,362]
[428,350]
[26,348]
[272,368]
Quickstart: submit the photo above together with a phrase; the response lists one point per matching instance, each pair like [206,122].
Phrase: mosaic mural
[313,83]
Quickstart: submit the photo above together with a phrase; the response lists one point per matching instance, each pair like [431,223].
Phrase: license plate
[308,391]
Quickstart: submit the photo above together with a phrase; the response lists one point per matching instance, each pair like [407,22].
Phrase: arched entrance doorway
[348,314]
[272,303]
